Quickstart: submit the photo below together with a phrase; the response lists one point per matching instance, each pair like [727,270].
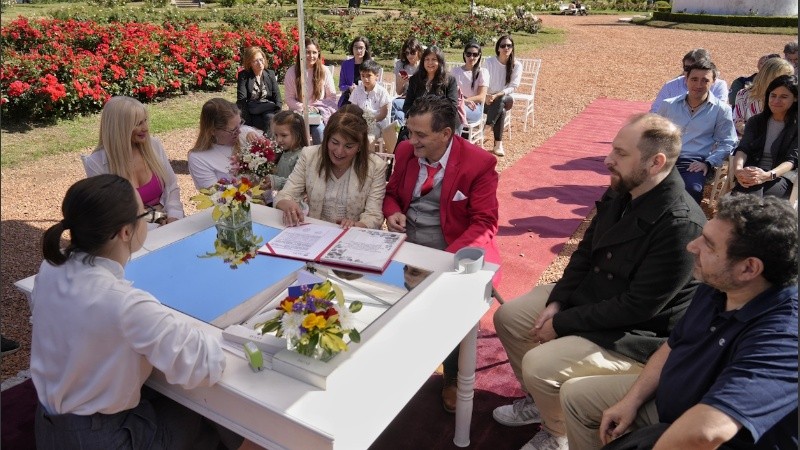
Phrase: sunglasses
[506,45]
[686,68]
[152,216]
[472,54]
[411,52]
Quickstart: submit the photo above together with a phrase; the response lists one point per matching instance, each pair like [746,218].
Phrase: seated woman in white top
[344,182]
[473,81]
[319,87]
[504,77]
[126,149]
[96,338]
[221,134]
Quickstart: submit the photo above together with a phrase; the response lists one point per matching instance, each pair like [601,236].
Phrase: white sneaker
[521,412]
[498,149]
[543,440]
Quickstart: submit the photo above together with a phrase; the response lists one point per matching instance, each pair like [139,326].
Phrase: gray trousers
[156,423]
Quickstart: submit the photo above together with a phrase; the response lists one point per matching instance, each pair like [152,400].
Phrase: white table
[377,378]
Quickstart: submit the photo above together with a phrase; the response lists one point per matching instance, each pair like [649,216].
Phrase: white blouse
[96,339]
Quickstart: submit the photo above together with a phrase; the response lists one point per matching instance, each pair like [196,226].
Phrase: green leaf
[356,306]
[355,336]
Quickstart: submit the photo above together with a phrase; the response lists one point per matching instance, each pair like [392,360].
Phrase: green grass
[26,143]
[788,31]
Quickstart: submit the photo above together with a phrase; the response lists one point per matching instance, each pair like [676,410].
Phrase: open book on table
[356,248]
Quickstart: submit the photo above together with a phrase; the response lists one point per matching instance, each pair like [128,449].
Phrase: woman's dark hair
[420,77]
[94,210]
[476,68]
[367,54]
[510,62]
[409,44]
[349,122]
[790,83]
[295,122]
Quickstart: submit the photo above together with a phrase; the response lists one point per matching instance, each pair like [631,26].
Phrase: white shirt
[96,339]
[497,76]
[373,100]
[207,166]
[464,80]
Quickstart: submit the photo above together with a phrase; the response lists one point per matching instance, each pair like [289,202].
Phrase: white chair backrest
[389,86]
[530,74]
[452,65]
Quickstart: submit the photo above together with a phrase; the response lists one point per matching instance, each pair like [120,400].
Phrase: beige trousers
[584,400]
[542,369]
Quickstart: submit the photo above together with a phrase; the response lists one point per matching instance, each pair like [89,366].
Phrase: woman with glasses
[126,149]
[96,338]
[768,150]
[343,181]
[221,135]
[473,82]
[319,87]
[350,74]
[257,93]
[504,77]
[405,66]
[433,79]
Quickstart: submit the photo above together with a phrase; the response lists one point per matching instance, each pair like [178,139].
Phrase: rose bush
[56,68]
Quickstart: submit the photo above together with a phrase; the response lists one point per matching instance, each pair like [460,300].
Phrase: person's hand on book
[347,223]
[292,213]
[396,222]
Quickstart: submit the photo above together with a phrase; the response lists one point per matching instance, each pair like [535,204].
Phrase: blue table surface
[206,288]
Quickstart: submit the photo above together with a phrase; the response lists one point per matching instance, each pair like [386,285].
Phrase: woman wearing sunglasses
[473,81]
[221,134]
[504,77]
[96,338]
[405,66]
[126,149]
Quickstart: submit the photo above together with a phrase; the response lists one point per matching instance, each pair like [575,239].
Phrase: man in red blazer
[443,194]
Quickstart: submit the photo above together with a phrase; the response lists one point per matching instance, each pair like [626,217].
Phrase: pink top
[151,192]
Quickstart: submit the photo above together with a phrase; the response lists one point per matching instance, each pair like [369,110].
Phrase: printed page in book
[306,241]
[364,248]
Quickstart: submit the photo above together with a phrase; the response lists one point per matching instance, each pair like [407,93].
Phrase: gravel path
[600,58]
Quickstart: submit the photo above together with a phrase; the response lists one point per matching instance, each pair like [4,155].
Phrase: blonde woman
[126,149]
[257,93]
[221,134]
[750,100]
[319,87]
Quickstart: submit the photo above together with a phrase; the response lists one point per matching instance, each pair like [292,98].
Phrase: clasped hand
[751,176]
[543,330]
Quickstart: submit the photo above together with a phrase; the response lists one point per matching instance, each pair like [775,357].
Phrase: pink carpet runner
[543,199]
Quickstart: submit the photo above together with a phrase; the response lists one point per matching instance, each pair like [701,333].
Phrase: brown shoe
[449,394]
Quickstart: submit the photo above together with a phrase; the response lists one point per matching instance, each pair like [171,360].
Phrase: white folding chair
[723,180]
[389,86]
[526,91]
[450,65]
[475,131]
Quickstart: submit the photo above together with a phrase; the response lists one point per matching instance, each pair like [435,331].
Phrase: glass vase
[235,230]
[316,352]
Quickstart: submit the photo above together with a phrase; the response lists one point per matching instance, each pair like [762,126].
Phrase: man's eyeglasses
[506,45]
[471,54]
[235,129]
[152,215]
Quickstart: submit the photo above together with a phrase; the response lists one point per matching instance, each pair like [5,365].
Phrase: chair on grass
[526,91]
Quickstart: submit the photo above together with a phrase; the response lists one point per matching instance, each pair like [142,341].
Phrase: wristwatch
[772,175]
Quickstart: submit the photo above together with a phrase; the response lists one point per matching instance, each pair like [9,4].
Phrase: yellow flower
[287,305]
[229,193]
[202,201]
[312,320]
[332,343]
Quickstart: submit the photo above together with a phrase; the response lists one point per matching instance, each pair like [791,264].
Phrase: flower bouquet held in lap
[315,320]
[231,201]
[256,161]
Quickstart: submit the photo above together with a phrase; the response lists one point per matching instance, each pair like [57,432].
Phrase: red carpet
[543,199]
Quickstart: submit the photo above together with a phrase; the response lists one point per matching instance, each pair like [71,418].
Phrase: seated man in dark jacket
[625,287]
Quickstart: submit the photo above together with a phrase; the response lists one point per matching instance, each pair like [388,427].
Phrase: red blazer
[471,171]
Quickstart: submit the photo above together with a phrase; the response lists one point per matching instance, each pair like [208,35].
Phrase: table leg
[466,386]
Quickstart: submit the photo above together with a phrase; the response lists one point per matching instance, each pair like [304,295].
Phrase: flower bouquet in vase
[231,201]
[315,322]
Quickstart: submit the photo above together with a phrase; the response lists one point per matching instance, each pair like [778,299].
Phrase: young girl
[221,134]
[96,338]
[473,81]
[126,149]
[290,135]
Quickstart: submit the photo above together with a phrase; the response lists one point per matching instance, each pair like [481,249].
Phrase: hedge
[736,21]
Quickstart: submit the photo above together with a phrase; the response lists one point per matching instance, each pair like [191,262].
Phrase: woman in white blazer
[126,149]
[340,179]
